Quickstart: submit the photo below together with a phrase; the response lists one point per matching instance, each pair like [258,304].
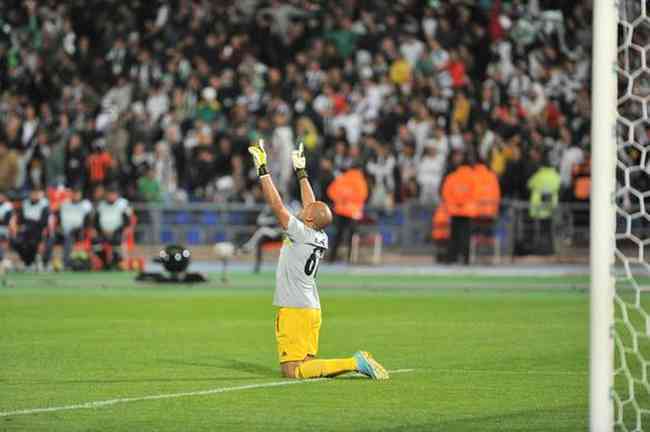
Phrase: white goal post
[603,143]
[619,394]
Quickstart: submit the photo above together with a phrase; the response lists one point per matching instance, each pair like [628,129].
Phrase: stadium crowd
[160,99]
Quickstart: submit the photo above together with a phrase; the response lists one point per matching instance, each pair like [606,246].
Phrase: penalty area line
[108,402]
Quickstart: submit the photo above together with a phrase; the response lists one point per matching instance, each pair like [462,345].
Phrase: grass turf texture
[487,355]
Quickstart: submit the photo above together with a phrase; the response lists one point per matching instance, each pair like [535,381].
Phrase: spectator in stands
[141,160]
[581,177]
[282,142]
[381,175]
[54,154]
[405,174]
[99,164]
[203,173]
[348,192]
[430,170]
[75,161]
[35,174]
[136,76]
[572,155]
[420,127]
[149,187]
[8,166]
[13,129]
[581,192]
[325,178]
[517,167]
[165,171]
[29,128]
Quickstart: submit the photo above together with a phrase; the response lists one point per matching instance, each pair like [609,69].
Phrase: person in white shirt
[74,217]
[420,127]
[411,49]
[430,170]
[281,144]
[112,216]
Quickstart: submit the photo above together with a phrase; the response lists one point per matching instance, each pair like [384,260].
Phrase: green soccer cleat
[369,366]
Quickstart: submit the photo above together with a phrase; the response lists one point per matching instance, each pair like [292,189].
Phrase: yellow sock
[326,368]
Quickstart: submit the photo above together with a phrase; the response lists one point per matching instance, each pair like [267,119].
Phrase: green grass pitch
[487,353]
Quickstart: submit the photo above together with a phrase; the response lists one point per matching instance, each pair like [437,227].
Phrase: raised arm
[299,163]
[271,195]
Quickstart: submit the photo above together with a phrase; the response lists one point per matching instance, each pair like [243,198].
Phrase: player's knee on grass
[290,369]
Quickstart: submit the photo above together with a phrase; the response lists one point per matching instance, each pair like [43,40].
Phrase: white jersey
[111,216]
[73,215]
[295,279]
[33,212]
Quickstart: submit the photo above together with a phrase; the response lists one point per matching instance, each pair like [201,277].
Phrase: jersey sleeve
[296,229]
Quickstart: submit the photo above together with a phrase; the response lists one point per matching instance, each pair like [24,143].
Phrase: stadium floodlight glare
[620,218]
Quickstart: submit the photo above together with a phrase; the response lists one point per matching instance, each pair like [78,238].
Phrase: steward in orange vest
[459,192]
[459,196]
[488,192]
[348,192]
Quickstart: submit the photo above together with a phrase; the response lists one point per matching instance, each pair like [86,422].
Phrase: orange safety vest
[349,192]
[440,223]
[57,196]
[582,181]
[488,192]
[459,192]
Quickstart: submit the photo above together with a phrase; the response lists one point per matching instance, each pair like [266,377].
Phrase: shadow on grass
[237,365]
[255,370]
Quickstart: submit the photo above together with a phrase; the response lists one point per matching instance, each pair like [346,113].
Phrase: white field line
[103,403]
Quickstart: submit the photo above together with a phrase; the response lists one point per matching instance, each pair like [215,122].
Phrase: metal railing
[406,228]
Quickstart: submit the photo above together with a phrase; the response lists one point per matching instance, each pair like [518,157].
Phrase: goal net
[631,330]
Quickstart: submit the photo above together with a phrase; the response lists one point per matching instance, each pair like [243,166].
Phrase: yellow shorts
[296,332]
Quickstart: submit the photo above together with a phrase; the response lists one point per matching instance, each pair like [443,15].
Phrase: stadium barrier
[406,228]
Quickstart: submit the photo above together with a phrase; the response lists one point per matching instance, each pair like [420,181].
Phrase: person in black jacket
[75,161]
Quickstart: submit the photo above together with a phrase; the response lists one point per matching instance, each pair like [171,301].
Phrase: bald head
[317,215]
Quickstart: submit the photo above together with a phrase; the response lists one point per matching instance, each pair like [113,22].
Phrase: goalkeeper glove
[299,162]
[259,157]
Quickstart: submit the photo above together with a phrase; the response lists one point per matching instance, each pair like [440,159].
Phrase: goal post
[620,218]
[602,226]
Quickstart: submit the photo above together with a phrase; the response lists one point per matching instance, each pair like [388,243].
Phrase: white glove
[298,158]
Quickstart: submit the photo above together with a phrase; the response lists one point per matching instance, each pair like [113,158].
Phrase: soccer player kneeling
[298,320]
